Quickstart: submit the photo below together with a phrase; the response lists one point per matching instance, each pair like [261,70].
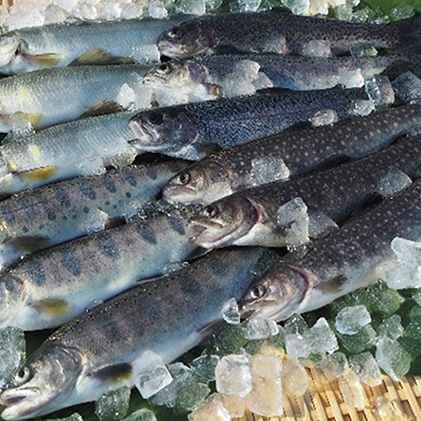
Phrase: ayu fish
[111,345]
[53,96]
[60,45]
[351,257]
[53,286]
[36,219]
[282,33]
[289,213]
[230,75]
[290,153]
[188,131]
[81,147]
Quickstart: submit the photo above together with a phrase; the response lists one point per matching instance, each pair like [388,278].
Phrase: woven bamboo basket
[323,400]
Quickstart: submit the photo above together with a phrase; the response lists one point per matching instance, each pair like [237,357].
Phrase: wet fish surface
[186,131]
[60,45]
[37,219]
[289,213]
[81,147]
[282,33]
[108,347]
[53,96]
[290,153]
[53,286]
[357,254]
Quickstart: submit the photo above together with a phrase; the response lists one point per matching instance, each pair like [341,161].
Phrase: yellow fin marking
[35,152]
[52,307]
[40,174]
[44,60]
[33,119]
[98,56]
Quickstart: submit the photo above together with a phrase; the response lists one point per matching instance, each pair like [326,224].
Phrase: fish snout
[180,194]
[14,400]
[13,295]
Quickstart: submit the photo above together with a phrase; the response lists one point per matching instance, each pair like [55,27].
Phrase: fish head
[224,222]
[161,129]
[10,49]
[277,294]
[203,183]
[186,39]
[13,294]
[42,383]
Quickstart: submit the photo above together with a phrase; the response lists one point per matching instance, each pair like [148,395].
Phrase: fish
[357,254]
[82,43]
[190,131]
[36,219]
[213,76]
[55,285]
[274,31]
[52,96]
[111,345]
[289,213]
[82,147]
[288,154]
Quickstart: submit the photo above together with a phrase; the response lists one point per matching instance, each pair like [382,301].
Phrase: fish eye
[210,211]
[164,69]
[155,118]
[183,178]
[176,33]
[257,292]
[24,374]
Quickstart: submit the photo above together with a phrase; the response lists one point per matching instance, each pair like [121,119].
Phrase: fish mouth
[22,403]
[169,49]
[142,133]
[179,194]
[153,79]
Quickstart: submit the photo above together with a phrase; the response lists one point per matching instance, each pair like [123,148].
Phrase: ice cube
[212,4]
[143,414]
[192,7]
[157,9]
[298,7]
[392,358]
[293,218]
[85,11]
[408,252]
[54,14]
[204,366]
[394,181]
[407,87]
[73,417]
[366,368]
[333,366]
[324,118]
[352,390]
[295,324]
[233,376]
[294,377]
[67,5]
[191,395]
[132,10]
[317,48]
[351,319]
[168,395]
[235,405]
[245,5]
[211,409]
[380,90]
[109,10]
[265,397]
[401,11]
[362,107]
[386,410]
[24,19]
[391,327]
[416,296]
[227,339]
[261,329]
[267,169]
[320,225]
[297,346]
[12,352]
[230,312]
[361,341]
[113,405]
[152,375]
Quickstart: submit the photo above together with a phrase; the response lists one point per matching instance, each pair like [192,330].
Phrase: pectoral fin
[114,374]
[43,60]
[103,107]
[52,307]
[333,285]
[39,174]
[98,56]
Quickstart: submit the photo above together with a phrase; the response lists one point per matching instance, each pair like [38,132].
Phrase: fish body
[271,215]
[55,285]
[53,96]
[44,217]
[353,256]
[229,74]
[60,45]
[287,154]
[282,33]
[109,346]
[81,147]
[184,131]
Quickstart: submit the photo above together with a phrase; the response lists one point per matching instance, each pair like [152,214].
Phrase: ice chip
[191,395]
[391,327]
[317,48]
[152,375]
[267,169]
[24,19]
[407,87]
[417,297]
[109,10]
[366,368]
[386,410]
[211,409]
[126,97]
[113,405]
[294,377]
[233,376]
[141,415]
[362,107]
[73,417]
[192,7]
[204,366]
[261,329]
[298,7]
[295,324]
[320,225]
[333,366]
[230,312]
[297,346]
[352,390]
[392,358]
[54,14]
[132,10]
[12,352]
[293,218]
[380,90]
[67,5]
[394,181]
[157,9]
[351,319]
[235,405]
[245,5]
[403,11]
[408,252]
[324,118]
[212,4]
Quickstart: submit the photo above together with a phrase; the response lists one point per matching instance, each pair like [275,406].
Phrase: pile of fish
[286,139]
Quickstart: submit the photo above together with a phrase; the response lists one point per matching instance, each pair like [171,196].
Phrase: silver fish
[288,154]
[53,96]
[53,286]
[60,45]
[36,219]
[357,254]
[272,215]
[109,346]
